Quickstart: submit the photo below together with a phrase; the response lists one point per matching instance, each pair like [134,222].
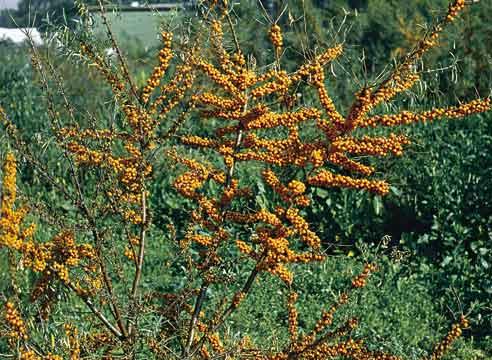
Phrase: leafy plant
[249,176]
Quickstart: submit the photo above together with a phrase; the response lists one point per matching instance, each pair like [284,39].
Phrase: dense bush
[435,214]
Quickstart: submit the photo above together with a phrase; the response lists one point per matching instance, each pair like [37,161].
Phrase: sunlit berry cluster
[72,335]
[11,233]
[52,259]
[454,9]
[13,319]
[360,280]
[407,117]
[112,77]
[165,56]
[275,34]
[321,342]
[118,151]
[327,179]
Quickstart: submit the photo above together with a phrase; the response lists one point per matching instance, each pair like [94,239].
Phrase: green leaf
[377,204]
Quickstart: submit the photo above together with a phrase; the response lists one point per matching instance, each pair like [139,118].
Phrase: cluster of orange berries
[204,353]
[291,151]
[223,56]
[216,343]
[139,120]
[280,85]
[344,162]
[188,183]
[99,134]
[275,268]
[275,34]
[287,119]
[244,99]
[323,322]
[445,344]
[329,55]
[72,333]
[317,79]
[142,121]
[51,258]
[201,239]
[216,76]
[292,193]
[348,349]
[278,254]
[18,330]
[85,156]
[403,79]
[31,355]
[454,9]
[216,101]
[237,299]
[293,315]
[129,253]
[325,178]
[274,242]
[302,228]
[216,30]
[165,56]
[362,105]
[406,117]
[376,146]
[127,169]
[132,216]
[28,355]
[113,79]
[232,192]
[361,280]
[10,218]
[9,190]
[172,92]
[243,247]
[311,69]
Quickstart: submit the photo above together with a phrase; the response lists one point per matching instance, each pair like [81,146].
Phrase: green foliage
[40,13]
[439,210]
[397,310]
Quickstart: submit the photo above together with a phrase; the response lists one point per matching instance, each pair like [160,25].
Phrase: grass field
[140,26]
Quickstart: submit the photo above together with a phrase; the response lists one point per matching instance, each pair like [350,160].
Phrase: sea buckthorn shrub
[447,232]
[96,257]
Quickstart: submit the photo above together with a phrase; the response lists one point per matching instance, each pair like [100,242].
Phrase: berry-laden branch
[281,235]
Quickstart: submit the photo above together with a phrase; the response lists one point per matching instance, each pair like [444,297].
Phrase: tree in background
[38,13]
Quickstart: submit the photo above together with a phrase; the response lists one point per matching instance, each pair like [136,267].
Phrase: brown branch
[81,204]
[245,291]
[233,31]
[121,58]
[194,318]
[98,313]
[204,287]
[140,259]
